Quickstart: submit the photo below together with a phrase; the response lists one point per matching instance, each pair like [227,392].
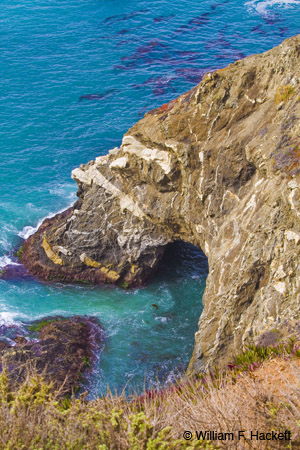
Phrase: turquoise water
[129,57]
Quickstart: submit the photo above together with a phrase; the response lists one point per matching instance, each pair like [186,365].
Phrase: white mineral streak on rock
[201,176]
[119,163]
[293,184]
[91,175]
[280,273]
[59,248]
[206,248]
[236,194]
[292,236]
[291,199]
[250,99]
[280,287]
[133,146]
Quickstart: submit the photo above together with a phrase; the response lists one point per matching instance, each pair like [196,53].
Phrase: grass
[35,418]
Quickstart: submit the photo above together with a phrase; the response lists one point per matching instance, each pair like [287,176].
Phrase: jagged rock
[61,349]
[217,167]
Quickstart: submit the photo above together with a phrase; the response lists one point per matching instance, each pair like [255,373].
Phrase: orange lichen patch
[90,262]
[50,253]
[283,93]
[111,274]
[164,108]
[222,70]
[167,106]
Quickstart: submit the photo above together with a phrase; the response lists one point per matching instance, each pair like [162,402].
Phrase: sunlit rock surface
[217,167]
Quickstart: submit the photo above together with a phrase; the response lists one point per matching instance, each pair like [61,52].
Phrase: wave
[65,191]
[7,260]
[28,230]
[8,318]
[262,7]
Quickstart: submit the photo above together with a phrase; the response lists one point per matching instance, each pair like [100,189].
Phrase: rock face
[61,349]
[217,167]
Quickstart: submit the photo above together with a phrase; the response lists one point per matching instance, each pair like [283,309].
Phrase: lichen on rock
[219,168]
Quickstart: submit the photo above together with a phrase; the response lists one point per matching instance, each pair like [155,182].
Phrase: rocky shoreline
[62,350]
[219,168]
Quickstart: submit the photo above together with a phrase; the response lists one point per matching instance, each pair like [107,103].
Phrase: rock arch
[217,167]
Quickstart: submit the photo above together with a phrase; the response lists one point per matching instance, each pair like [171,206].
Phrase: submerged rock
[62,349]
[219,168]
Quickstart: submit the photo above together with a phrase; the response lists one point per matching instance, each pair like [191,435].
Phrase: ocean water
[74,77]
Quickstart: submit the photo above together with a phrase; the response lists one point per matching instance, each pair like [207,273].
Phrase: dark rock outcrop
[61,349]
[217,167]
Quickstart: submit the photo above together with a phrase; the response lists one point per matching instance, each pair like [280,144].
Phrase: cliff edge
[217,167]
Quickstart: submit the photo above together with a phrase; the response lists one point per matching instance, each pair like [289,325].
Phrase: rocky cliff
[217,167]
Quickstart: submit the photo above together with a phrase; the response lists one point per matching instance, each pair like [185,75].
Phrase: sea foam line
[8,318]
[60,190]
[6,260]
[25,233]
[262,6]
[28,230]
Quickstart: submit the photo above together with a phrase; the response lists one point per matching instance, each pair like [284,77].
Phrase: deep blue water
[134,56]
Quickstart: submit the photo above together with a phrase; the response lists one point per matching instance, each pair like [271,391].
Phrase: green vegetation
[86,361]
[19,253]
[38,326]
[35,417]
[255,355]
[284,93]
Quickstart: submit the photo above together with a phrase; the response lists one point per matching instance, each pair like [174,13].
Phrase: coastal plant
[255,355]
[35,417]
[284,93]
[19,253]
[38,326]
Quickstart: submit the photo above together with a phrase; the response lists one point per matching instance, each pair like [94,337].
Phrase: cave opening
[174,305]
[182,259]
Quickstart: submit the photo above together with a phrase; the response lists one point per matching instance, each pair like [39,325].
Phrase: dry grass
[265,400]
[34,418]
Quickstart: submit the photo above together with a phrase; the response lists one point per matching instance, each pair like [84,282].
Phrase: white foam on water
[263,7]
[4,244]
[9,318]
[64,191]
[6,260]
[28,230]
[7,230]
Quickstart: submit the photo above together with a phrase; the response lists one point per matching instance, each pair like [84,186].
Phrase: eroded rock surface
[61,349]
[217,167]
